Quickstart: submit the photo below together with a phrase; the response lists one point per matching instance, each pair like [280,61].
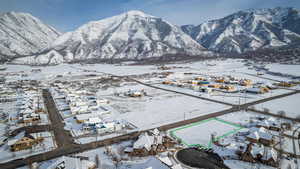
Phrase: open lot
[201,133]
[289,105]
[160,107]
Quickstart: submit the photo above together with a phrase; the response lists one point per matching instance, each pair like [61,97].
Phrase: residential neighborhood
[155,84]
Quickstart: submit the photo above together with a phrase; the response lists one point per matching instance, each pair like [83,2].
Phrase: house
[29,118]
[81,118]
[167,82]
[195,82]
[247,155]
[92,122]
[110,126]
[205,90]
[2,80]
[270,86]
[260,73]
[220,80]
[36,70]
[233,82]
[102,101]
[257,90]
[3,140]
[134,93]
[148,145]
[79,109]
[269,124]
[285,84]
[144,142]
[66,162]
[245,82]
[2,68]
[200,78]
[203,83]
[151,143]
[227,87]
[260,135]
[216,85]
[260,153]
[23,141]
[286,126]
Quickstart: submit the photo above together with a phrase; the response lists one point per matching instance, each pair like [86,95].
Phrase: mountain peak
[249,30]
[23,34]
[133,35]
[136,12]
[263,11]
[16,14]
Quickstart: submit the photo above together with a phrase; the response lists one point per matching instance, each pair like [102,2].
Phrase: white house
[65,162]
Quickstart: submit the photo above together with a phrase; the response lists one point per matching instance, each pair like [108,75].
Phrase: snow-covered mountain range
[129,36]
[22,34]
[135,35]
[248,30]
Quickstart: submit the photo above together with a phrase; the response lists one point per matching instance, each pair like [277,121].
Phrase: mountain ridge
[133,35]
[22,34]
[248,30]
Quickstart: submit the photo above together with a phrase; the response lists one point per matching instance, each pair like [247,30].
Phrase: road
[67,146]
[62,137]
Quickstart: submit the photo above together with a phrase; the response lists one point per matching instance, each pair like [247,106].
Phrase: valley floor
[171,99]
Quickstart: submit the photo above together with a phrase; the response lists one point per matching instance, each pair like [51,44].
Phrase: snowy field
[243,117]
[289,105]
[287,145]
[285,69]
[236,164]
[229,66]
[201,132]
[50,72]
[159,107]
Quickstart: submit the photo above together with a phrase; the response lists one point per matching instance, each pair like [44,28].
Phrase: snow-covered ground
[289,105]
[284,69]
[160,107]
[236,164]
[50,72]
[201,132]
[243,117]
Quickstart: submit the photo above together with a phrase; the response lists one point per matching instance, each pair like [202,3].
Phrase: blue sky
[67,15]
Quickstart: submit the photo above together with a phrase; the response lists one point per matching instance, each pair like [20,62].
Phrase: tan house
[214,85]
[23,143]
[245,82]
[227,87]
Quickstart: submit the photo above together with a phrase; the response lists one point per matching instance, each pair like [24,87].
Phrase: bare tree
[117,160]
[298,117]
[281,113]
[266,110]
[98,162]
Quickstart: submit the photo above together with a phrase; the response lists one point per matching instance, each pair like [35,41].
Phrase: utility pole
[239,101]
[294,146]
